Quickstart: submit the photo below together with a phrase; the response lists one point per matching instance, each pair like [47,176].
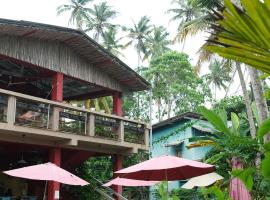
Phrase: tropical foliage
[99,20]
[218,76]
[79,11]
[240,34]
[137,35]
[169,74]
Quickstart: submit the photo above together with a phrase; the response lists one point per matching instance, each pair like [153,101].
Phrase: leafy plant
[164,193]
[241,34]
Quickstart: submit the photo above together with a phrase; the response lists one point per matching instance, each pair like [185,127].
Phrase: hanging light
[22,161]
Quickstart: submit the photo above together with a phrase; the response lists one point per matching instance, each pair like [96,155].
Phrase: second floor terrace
[28,119]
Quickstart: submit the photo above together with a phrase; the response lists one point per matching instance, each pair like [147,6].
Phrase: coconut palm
[78,9]
[111,42]
[137,36]
[184,12]
[218,76]
[99,20]
[158,42]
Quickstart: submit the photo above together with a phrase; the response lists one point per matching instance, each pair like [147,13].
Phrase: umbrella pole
[45,190]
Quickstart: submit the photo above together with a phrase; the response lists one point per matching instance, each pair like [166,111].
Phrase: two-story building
[175,135]
[42,67]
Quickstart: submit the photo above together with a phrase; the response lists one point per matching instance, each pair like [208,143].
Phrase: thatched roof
[80,43]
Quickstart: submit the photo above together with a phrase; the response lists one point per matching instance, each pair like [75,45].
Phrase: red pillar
[57,87]
[117,159]
[54,187]
[117,165]
[55,153]
[117,104]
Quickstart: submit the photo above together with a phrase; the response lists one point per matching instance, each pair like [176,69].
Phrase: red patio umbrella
[47,172]
[168,168]
[129,182]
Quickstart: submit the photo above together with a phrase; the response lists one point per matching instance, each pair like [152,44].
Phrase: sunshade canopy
[202,181]
[165,168]
[129,182]
[47,172]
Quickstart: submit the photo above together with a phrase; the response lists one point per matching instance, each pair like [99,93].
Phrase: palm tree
[99,20]
[218,76]
[138,36]
[111,42]
[184,13]
[157,43]
[203,23]
[79,12]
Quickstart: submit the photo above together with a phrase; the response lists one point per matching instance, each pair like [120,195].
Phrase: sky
[44,11]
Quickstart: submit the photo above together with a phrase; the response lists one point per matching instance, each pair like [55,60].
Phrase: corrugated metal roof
[82,44]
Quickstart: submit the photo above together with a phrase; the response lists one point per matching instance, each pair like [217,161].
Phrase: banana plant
[226,139]
[164,193]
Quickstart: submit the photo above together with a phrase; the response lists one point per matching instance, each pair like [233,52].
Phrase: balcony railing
[24,110]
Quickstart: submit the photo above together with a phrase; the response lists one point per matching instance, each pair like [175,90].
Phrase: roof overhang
[81,43]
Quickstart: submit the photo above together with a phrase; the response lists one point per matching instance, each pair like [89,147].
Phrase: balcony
[37,121]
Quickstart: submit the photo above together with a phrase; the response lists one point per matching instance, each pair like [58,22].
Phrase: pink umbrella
[165,168]
[47,172]
[238,190]
[130,182]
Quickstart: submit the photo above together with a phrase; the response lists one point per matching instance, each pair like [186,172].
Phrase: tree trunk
[259,96]
[169,108]
[247,101]
[159,108]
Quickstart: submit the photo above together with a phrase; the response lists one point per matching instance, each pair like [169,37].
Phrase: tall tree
[99,20]
[111,42]
[169,74]
[79,11]
[184,12]
[247,101]
[158,42]
[218,76]
[138,36]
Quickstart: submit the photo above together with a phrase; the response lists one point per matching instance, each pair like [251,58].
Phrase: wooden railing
[24,110]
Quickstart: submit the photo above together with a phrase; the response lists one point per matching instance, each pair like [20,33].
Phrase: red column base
[54,187]
[117,165]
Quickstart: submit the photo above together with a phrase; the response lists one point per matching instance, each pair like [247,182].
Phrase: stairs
[106,192]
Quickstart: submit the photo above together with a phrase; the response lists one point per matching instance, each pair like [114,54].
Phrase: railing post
[11,110]
[91,125]
[146,136]
[55,118]
[121,131]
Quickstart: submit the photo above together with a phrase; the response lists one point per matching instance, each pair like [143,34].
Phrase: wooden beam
[30,33]
[91,95]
